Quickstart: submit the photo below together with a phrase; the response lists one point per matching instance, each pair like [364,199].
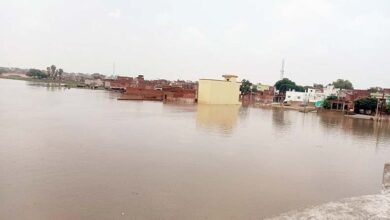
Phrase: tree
[48,71]
[366,104]
[374,89]
[254,88]
[327,102]
[53,71]
[342,84]
[60,72]
[245,87]
[286,85]
[387,109]
[36,74]
[318,86]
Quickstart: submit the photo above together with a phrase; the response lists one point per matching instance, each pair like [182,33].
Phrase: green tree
[53,71]
[60,73]
[245,87]
[387,109]
[342,84]
[36,74]
[286,85]
[374,89]
[318,86]
[254,88]
[48,71]
[327,102]
[366,104]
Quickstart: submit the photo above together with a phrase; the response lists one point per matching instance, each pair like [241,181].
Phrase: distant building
[311,95]
[262,87]
[107,83]
[179,95]
[93,83]
[213,91]
[121,83]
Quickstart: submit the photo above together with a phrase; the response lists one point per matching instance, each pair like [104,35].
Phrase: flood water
[81,154]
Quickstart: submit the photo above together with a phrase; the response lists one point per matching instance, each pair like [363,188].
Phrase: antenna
[282,70]
[113,69]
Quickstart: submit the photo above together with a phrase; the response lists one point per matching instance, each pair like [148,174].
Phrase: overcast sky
[321,40]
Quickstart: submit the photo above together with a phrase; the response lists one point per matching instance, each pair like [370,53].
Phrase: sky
[320,40]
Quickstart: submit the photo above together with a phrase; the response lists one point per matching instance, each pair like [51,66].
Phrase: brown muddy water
[81,154]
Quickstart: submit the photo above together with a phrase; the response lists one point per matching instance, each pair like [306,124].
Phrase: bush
[327,104]
[387,109]
[366,104]
[36,74]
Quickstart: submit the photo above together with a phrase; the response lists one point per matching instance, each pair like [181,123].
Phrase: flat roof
[221,80]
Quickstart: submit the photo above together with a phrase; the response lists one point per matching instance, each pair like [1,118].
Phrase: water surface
[81,154]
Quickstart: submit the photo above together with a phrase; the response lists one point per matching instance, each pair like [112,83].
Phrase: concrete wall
[223,92]
[94,82]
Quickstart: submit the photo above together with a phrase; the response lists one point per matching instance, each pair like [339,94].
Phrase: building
[94,83]
[311,95]
[213,91]
[259,97]
[261,87]
[121,83]
[179,95]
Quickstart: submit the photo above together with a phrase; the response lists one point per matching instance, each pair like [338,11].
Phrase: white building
[93,82]
[310,95]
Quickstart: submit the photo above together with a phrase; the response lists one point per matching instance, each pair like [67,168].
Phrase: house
[213,91]
[94,83]
[311,95]
[179,95]
[262,87]
[121,83]
[385,94]
[265,96]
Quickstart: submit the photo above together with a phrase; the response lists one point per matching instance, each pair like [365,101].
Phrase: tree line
[51,73]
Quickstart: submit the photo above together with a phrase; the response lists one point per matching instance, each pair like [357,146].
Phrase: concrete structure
[225,92]
[380,95]
[260,87]
[94,83]
[311,95]
[179,95]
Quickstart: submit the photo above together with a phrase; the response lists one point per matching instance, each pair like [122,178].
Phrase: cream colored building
[224,92]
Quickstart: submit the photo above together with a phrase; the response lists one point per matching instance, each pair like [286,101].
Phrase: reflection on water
[220,117]
[82,154]
[359,128]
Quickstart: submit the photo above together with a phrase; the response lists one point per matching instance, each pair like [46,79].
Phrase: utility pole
[113,69]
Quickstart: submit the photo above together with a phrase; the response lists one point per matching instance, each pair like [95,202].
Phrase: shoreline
[308,109]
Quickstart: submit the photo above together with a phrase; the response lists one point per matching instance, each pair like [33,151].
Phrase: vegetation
[342,84]
[254,88]
[245,87]
[387,109]
[366,104]
[318,86]
[327,102]
[35,73]
[374,89]
[286,85]
[54,73]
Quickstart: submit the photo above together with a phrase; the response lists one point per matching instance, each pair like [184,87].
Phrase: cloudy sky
[321,40]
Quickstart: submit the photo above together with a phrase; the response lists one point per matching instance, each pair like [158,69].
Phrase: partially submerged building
[225,92]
